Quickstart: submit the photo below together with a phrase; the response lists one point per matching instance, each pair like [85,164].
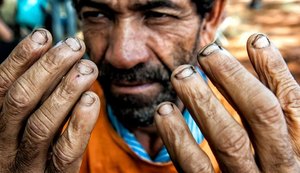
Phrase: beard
[137,110]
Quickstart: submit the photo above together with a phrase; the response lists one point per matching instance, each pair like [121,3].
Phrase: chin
[137,110]
[134,94]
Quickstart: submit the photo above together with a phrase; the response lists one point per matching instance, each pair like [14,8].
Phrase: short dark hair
[203,6]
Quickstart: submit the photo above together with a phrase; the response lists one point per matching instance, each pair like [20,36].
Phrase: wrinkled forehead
[120,5]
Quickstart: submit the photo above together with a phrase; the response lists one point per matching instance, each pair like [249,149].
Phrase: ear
[211,21]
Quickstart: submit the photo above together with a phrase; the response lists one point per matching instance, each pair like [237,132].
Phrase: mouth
[133,88]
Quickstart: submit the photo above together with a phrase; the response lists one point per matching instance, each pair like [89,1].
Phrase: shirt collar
[138,149]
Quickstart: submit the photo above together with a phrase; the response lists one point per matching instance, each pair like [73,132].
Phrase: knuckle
[63,155]
[265,107]
[18,97]
[196,97]
[22,53]
[206,103]
[38,130]
[229,68]
[6,78]
[51,62]
[289,97]
[193,167]
[233,141]
[286,84]
[269,114]
[203,96]
[203,168]
[275,65]
[66,90]
[175,138]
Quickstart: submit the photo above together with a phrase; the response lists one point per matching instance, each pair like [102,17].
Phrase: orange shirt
[108,153]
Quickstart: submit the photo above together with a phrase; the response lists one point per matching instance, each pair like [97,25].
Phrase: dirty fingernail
[186,72]
[73,43]
[87,99]
[208,50]
[261,41]
[165,109]
[39,36]
[84,68]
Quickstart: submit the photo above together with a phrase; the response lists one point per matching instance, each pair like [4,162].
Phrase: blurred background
[279,19]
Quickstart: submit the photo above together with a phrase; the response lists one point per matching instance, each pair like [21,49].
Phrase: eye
[89,14]
[159,18]
[94,16]
[153,14]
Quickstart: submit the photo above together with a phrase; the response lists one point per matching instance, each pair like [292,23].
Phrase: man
[137,44]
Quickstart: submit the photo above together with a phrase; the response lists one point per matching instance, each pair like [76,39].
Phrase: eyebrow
[154,4]
[89,3]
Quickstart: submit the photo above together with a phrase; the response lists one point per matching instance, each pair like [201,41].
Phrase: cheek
[175,47]
[96,43]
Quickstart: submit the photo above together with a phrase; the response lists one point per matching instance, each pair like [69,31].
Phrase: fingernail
[73,43]
[209,49]
[165,109]
[84,68]
[186,72]
[87,99]
[261,41]
[39,36]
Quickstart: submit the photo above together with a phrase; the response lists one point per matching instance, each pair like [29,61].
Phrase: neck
[149,139]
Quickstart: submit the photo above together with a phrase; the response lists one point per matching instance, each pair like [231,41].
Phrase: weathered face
[136,45]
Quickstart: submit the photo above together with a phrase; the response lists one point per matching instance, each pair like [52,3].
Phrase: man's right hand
[268,105]
[39,87]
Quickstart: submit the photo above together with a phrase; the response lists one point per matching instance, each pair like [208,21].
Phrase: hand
[269,107]
[39,87]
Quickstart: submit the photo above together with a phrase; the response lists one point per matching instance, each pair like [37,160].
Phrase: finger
[274,73]
[47,120]
[26,92]
[78,47]
[256,104]
[22,57]
[228,140]
[69,149]
[183,149]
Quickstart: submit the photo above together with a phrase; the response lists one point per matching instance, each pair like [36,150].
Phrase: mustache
[139,73]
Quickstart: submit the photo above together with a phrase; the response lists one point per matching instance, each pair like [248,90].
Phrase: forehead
[120,5]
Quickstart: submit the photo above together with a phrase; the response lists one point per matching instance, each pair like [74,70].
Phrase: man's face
[136,45]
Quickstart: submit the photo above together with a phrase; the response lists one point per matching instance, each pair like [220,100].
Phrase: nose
[127,45]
